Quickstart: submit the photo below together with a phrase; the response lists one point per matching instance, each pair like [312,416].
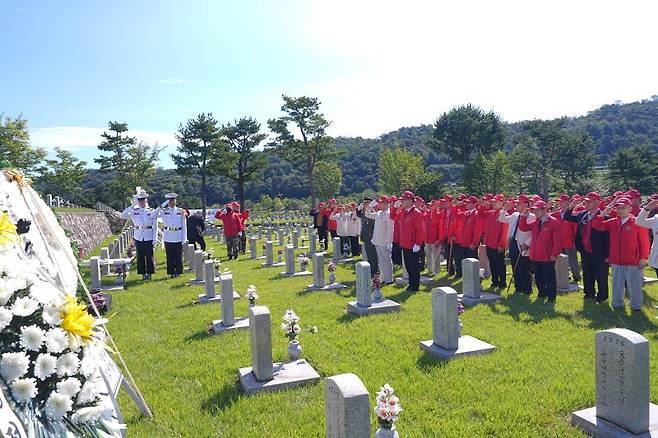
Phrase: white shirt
[522,237]
[145,221]
[175,225]
[382,234]
[643,220]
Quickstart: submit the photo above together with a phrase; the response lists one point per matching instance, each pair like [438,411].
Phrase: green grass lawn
[542,370]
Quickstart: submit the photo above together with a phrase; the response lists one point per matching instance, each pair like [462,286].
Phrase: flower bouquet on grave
[376,284]
[130,252]
[303,261]
[252,296]
[387,409]
[210,254]
[120,273]
[49,343]
[332,272]
[291,329]
[101,301]
[279,253]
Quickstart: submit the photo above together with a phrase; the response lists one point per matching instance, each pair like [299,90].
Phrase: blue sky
[71,66]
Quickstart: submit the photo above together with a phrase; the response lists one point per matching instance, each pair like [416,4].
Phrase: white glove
[373,203]
[164,204]
[389,246]
[416,248]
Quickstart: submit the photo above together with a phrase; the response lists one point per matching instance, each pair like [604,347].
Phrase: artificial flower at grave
[303,261]
[290,325]
[252,296]
[331,267]
[388,407]
[49,342]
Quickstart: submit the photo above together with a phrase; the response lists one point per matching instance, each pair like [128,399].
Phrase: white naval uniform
[145,221]
[175,224]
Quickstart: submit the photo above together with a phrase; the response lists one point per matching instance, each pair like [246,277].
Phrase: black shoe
[143,277]
[502,286]
[589,297]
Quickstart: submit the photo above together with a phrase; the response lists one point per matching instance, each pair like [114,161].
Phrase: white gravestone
[562,275]
[346,407]
[269,254]
[209,280]
[337,250]
[318,274]
[446,342]
[295,239]
[228,321]
[312,243]
[253,247]
[95,268]
[623,407]
[280,234]
[264,375]
[190,257]
[364,304]
[105,255]
[471,286]
[199,259]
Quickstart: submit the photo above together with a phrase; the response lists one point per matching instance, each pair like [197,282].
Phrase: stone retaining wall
[88,229]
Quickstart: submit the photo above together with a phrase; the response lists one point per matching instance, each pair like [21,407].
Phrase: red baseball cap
[524,199]
[472,200]
[418,199]
[623,202]
[488,196]
[618,193]
[382,199]
[564,198]
[447,198]
[535,198]
[332,200]
[320,204]
[539,205]
[593,196]
[634,194]
[408,195]
[576,197]
[499,197]
[353,204]
[393,199]
[461,197]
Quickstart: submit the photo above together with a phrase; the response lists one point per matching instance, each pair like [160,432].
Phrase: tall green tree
[634,166]
[131,164]
[559,154]
[15,149]
[201,151]
[243,137]
[467,130]
[63,176]
[328,178]
[492,175]
[311,144]
[401,170]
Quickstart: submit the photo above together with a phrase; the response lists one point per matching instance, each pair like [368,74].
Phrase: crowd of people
[613,232]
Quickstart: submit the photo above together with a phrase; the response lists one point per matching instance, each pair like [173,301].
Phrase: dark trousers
[197,239]
[243,242]
[396,254]
[421,258]
[174,258]
[545,279]
[595,271]
[449,256]
[144,251]
[497,266]
[334,234]
[322,236]
[355,245]
[371,252]
[344,245]
[521,266]
[412,263]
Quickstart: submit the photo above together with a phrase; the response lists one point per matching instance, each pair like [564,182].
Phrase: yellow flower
[7,230]
[76,320]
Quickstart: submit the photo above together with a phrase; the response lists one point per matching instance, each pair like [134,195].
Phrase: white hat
[171,196]
[142,195]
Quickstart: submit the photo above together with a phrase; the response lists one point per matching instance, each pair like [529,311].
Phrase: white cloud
[87,137]
[173,81]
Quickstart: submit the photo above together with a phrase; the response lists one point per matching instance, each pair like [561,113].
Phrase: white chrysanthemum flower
[24,390]
[14,365]
[58,405]
[5,294]
[44,366]
[68,364]
[90,414]
[45,293]
[89,363]
[5,318]
[52,315]
[24,306]
[74,342]
[31,337]
[56,340]
[89,391]
[70,386]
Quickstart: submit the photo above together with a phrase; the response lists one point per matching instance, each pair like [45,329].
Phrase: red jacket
[433,227]
[545,243]
[332,224]
[393,214]
[470,228]
[449,223]
[232,223]
[412,228]
[567,230]
[495,232]
[628,243]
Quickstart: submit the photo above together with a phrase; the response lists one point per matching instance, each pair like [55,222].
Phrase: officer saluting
[174,233]
[145,221]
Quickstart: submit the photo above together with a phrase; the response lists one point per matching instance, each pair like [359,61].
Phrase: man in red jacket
[412,236]
[470,232]
[629,250]
[232,230]
[449,232]
[332,224]
[545,247]
[495,239]
[396,252]
[568,235]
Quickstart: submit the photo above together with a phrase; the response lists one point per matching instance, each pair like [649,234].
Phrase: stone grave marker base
[468,346]
[203,299]
[240,324]
[347,260]
[109,288]
[403,281]
[286,376]
[265,265]
[296,274]
[332,286]
[587,420]
[196,282]
[485,297]
[384,306]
